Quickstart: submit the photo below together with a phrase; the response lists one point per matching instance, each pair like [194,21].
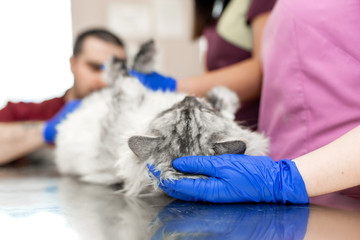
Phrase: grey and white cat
[117,131]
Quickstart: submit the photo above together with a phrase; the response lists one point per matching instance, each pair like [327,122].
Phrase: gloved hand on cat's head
[155,81]
[50,131]
[236,178]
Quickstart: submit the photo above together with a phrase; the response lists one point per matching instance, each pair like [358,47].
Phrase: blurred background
[37,36]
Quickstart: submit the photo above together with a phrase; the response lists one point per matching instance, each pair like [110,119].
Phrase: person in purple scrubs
[233,50]
[233,31]
[309,108]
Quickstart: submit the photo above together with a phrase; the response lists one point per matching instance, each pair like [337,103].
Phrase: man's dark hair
[102,34]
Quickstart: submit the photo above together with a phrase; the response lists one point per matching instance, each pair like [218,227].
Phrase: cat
[118,130]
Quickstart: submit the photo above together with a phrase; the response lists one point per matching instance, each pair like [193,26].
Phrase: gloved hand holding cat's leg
[50,130]
[236,178]
[155,81]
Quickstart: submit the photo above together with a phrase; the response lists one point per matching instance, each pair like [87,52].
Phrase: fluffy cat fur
[118,130]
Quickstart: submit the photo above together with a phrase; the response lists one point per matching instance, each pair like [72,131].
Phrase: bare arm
[18,139]
[244,77]
[333,167]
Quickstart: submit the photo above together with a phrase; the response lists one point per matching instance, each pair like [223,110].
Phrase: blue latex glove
[236,178]
[155,81]
[187,220]
[50,131]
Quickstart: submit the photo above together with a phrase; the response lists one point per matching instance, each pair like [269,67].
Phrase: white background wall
[36,40]
[35,47]
[169,22]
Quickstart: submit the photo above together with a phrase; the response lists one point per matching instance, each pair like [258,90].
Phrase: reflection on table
[39,204]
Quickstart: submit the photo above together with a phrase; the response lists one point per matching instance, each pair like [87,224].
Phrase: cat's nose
[190,101]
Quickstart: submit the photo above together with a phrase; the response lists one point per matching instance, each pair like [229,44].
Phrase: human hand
[50,131]
[236,178]
[187,220]
[155,81]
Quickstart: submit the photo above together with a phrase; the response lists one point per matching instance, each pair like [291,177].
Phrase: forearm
[19,139]
[244,78]
[333,167]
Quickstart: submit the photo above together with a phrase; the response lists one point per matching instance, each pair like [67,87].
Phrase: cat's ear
[224,100]
[113,69]
[230,147]
[144,60]
[143,146]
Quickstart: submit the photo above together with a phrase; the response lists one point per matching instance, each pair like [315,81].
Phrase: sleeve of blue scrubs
[236,178]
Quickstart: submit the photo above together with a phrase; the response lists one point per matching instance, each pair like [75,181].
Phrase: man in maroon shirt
[22,124]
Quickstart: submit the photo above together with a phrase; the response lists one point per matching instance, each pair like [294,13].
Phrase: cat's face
[190,127]
[193,127]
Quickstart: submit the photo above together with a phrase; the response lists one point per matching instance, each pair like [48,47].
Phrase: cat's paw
[168,173]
